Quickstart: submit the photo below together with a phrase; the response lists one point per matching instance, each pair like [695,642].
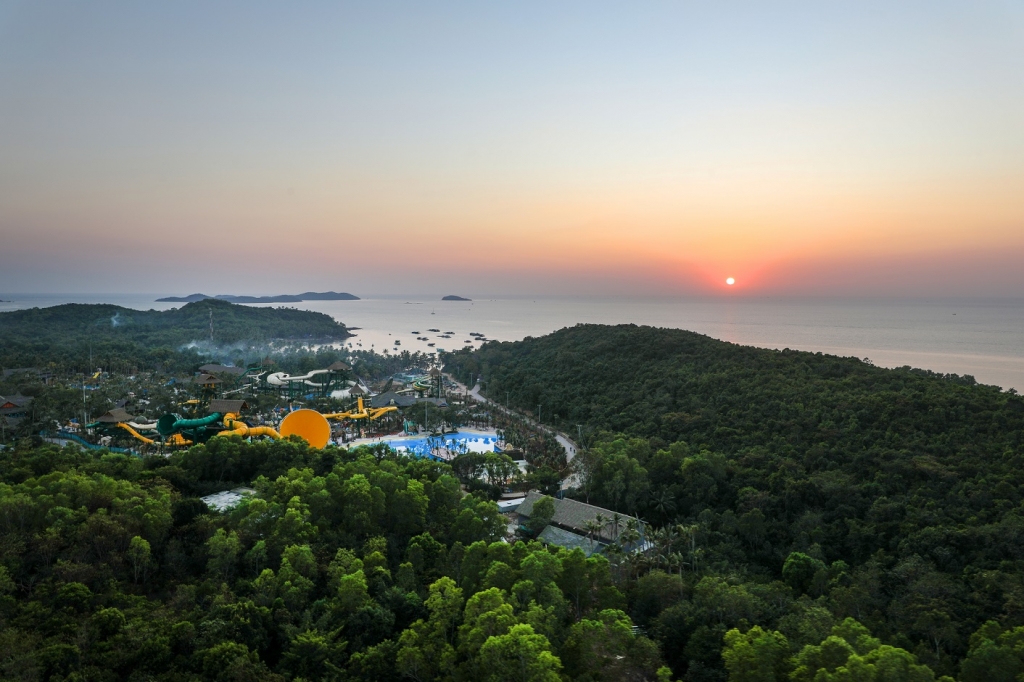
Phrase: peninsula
[281,298]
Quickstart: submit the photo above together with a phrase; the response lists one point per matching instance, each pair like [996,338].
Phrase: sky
[802,148]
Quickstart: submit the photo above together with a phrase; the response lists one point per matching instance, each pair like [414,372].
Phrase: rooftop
[553,535]
[576,516]
[221,369]
[227,499]
[225,406]
[115,416]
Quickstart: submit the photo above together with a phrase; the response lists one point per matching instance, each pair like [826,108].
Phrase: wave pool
[445,446]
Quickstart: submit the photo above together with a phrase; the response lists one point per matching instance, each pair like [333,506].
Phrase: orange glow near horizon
[510,148]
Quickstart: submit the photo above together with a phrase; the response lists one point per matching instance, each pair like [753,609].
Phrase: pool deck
[441,453]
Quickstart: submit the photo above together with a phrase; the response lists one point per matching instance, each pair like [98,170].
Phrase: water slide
[170,423]
[139,436]
[362,413]
[283,378]
[143,427]
[86,444]
[234,427]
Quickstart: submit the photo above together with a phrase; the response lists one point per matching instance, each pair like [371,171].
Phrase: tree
[757,655]
[541,514]
[224,548]
[520,655]
[799,570]
[138,555]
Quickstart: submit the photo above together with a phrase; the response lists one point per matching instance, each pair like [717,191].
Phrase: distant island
[282,298]
[455,298]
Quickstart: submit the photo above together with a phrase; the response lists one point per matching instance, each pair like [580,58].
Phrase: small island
[455,298]
[281,298]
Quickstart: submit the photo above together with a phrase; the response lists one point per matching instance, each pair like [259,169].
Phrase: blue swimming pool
[454,443]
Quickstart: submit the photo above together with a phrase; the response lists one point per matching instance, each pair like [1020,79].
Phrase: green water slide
[171,423]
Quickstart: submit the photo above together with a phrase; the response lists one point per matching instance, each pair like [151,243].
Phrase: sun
[730,281]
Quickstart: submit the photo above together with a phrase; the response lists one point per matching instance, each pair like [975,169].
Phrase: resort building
[577,524]
[13,409]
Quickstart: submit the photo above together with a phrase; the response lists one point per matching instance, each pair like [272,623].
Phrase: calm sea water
[983,338]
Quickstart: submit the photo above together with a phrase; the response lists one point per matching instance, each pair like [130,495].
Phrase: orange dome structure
[310,425]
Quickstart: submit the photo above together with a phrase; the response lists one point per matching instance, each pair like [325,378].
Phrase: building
[398,400]
[227,406]
[118,415]
[222,369]
[29,373]
[227,499]
[577,524]
[207,381]
[13,409]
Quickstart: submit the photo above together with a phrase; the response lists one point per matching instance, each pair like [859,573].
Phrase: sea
[981,337]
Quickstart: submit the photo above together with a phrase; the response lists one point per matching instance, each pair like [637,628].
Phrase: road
[567,443]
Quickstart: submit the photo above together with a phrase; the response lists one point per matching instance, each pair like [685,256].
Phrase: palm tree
[592,526]
[690,531]
[675,559]
[664,503]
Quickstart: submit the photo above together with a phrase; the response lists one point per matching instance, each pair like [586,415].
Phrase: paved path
[567,443]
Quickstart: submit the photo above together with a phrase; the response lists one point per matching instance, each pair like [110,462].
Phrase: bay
[980,337]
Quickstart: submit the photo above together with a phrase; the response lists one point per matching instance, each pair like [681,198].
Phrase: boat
[414,332]
[433,330]
[431,344]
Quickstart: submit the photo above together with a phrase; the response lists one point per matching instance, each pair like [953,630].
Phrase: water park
[405,411]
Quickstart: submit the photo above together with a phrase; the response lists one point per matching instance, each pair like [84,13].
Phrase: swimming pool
[454,443]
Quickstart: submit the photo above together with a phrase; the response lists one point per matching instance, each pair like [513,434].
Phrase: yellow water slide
[362,413]
[177,439]
[234,427]
[147,441]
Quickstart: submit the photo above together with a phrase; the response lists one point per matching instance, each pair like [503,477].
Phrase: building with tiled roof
[227,406]
[222,369]
[580,517]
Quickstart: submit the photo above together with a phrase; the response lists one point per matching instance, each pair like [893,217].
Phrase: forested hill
[895,497]
[43,335]
[673,385]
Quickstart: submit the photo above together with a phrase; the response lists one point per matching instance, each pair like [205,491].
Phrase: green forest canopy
[898,492]
[39,336]
[809,518]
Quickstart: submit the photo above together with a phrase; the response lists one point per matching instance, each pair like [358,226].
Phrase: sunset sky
[813,148]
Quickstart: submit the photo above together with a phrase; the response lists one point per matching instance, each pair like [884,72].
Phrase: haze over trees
[69,334]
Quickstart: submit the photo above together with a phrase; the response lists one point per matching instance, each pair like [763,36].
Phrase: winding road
[567,443]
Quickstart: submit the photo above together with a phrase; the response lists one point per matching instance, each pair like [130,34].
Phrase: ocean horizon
[980,337]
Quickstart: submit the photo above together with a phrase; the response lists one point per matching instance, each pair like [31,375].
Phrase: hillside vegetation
[890,496]
[70,332]
[359,565]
